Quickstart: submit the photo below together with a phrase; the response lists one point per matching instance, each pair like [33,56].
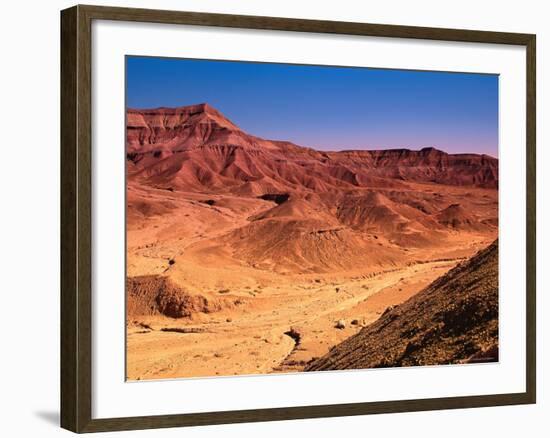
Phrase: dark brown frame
[76,168]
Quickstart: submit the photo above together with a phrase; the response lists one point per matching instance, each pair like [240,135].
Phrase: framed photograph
[268,218]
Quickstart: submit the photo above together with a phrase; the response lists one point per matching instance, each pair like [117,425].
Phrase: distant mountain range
[197,148]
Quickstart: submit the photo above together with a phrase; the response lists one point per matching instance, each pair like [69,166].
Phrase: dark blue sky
[329,108]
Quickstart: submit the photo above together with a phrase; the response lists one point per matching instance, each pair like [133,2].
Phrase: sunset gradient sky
[329,108]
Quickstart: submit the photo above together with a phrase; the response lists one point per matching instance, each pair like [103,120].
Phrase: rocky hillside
[453,320]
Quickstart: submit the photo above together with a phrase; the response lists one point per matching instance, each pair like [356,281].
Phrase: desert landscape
[248,256]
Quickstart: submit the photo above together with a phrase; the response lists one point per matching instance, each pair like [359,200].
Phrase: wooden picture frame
[76,217]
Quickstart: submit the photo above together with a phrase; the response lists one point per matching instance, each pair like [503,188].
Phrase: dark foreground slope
[453,320]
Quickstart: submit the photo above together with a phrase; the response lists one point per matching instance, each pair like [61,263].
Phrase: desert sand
[249,256]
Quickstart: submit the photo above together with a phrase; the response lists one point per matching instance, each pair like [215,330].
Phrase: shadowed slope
[453,320]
